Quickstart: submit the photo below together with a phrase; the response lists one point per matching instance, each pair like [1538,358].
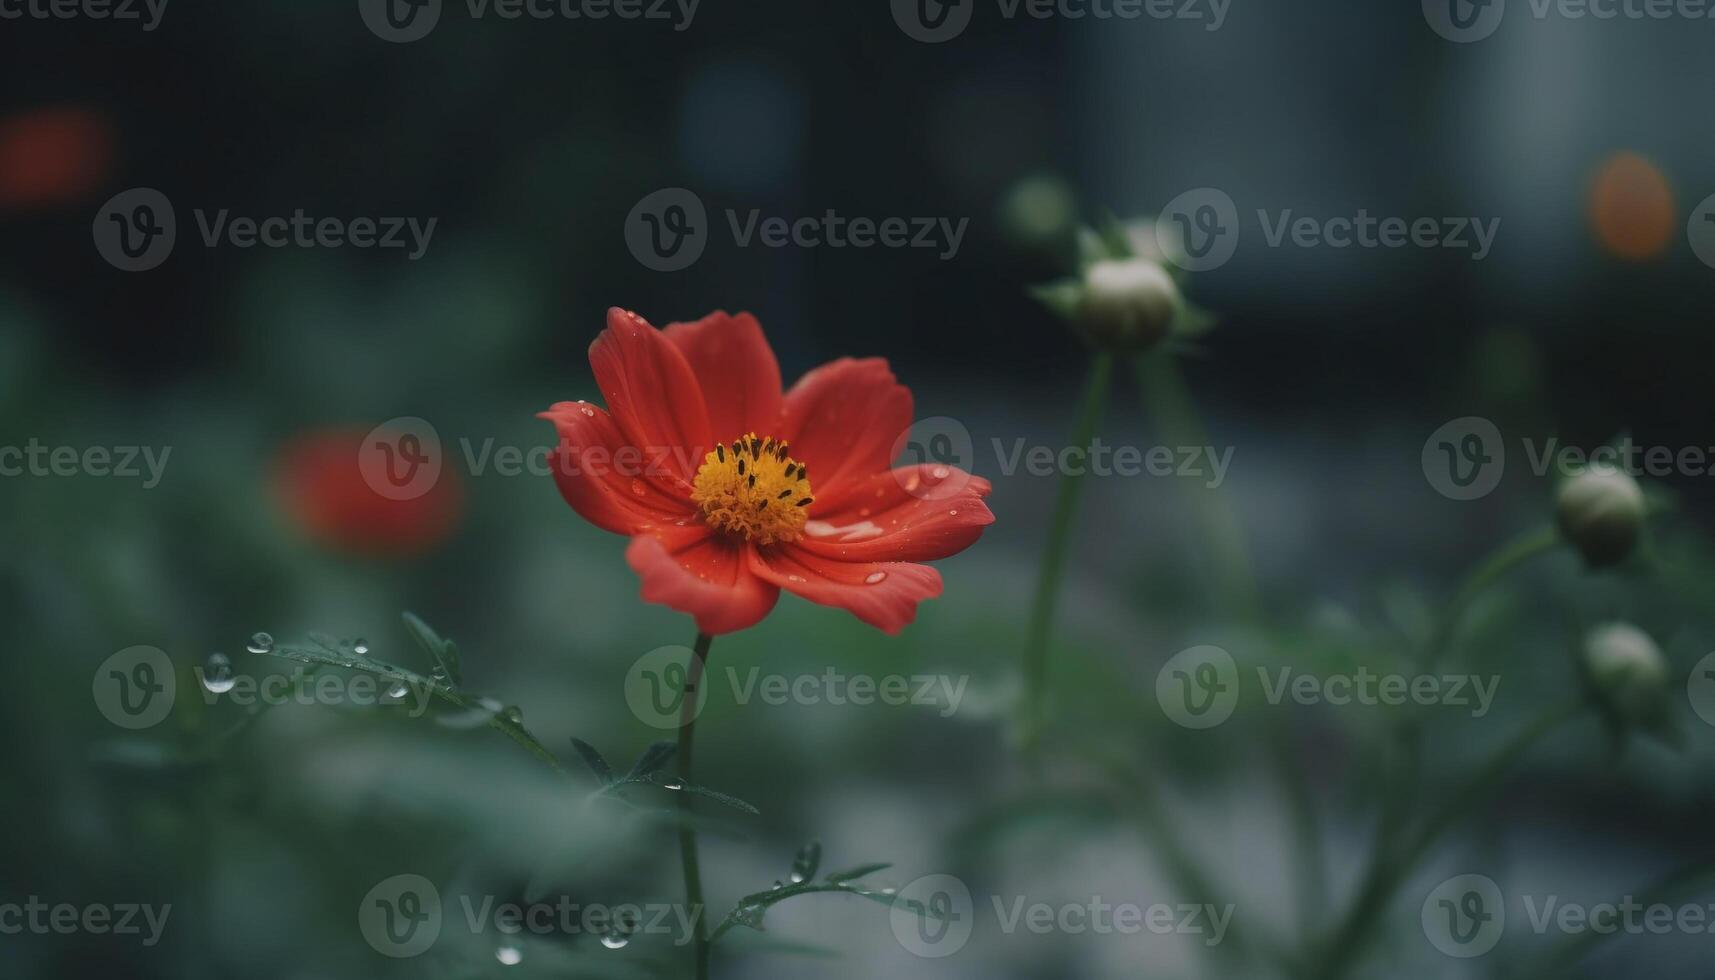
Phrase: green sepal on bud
[1628,677]
[1601,513]
[1121,300]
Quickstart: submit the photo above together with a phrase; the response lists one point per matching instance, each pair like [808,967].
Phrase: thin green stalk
[1167,398]
[1496,567]
[687,834]
[1386,874]
[1054,561]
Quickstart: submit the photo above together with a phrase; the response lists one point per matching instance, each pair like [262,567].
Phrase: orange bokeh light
[1631,208]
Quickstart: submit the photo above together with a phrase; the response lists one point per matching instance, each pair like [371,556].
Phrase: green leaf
[751,909]
[857,872]
[324,650]
[444,652]
[1063,297]
[652,759]
[603,772]
[703,791]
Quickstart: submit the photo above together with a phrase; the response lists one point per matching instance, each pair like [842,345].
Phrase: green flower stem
[1054,561]
[688,834]
[1481,578]
[1386,874]
[1402,778]
[1167,398]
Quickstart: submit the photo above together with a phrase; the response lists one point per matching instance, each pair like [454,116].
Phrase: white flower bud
[1627,671]
[1601,513]
[1128,304]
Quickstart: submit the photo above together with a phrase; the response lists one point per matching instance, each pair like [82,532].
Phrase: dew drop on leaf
[804,865]
[260,643]
[361,647]
[509,955]
[217,674]
[614,940]
[513,714]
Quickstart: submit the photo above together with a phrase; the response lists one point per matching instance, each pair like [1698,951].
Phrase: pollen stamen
[732,493]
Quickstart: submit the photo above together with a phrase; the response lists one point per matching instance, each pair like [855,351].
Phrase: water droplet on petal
[874,578]
[588,412]
[509,955]
[217,674]
[940,472]
[953,513]
[260,643]
[795,578]
[637,488]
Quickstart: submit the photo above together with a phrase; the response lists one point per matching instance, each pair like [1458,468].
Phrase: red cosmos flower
[708,467]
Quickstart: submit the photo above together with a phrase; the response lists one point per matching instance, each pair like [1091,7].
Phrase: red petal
[737,370]
[913,513]
[607,481]
[882,594]
[698,571]
[651,392]
[843,419]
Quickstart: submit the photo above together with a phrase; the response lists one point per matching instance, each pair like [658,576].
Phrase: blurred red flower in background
[53,155]
[327,485]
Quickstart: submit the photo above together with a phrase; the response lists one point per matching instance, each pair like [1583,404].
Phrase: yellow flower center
[753,488]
